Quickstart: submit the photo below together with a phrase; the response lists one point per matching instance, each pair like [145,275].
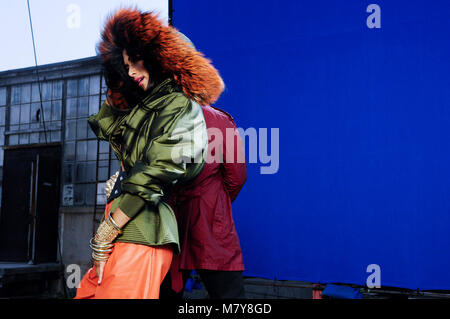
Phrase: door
[29,214]
[47,206]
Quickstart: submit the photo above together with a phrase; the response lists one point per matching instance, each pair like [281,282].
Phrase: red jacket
[208,236]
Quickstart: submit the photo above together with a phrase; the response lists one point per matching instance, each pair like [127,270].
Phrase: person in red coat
[209,241]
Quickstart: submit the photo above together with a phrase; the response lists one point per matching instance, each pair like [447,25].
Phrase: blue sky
[63,30]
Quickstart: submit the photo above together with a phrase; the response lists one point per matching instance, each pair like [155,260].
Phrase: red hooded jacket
[208,236]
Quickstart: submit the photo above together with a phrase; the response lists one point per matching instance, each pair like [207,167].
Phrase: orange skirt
[132,271]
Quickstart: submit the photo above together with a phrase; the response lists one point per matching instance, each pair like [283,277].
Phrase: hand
[99,267]
[121,219]
[116,99]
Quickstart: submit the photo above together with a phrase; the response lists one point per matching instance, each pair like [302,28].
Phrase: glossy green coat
[161,142]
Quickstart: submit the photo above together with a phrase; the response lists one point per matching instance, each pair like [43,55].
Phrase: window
[3,103]
[3,96]
[87,162]
[28,124]
[81,147]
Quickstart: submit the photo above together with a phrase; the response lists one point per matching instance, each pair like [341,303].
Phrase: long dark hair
[116,75]
[164,52]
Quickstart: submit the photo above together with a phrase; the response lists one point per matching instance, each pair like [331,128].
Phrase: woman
[154,124]
[209,241]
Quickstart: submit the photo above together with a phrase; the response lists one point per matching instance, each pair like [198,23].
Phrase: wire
[46,141]
[37,73]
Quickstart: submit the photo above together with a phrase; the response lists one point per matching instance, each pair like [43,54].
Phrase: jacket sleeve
[167,160]
[102,123]
[234,169]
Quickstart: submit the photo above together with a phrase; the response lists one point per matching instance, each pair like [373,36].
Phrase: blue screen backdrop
[364,125]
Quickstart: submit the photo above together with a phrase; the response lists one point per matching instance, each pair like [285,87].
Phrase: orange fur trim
[194,73]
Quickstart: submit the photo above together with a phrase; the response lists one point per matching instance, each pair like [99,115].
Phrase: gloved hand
[115,98]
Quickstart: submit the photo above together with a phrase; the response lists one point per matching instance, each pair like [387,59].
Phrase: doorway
[30,204]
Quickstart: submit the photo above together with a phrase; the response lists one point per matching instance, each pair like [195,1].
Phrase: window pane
[26,93]
[50,126]
[46,89]
[92,150]
[91,133]
[24,127]
[57,89]
[3,96]
[25,113]
[14,127]
[94,85]
[81,129]
[56,136]
[23,139]
[56,110]
[90,171]
[101,195]
[55,125]
[2,136]
[35,108]
[83,107]
[79,194]
[58,124]
[71,109]
[71,130]
[34,138]
[69,151]
[93,104]
[35,93]
[83,86]
[13,139]
[80,172]
[15,95]
[15,115]
[72,88]
[103,173]
[104,87]
[115,166]
[2,115]
[47,111]
[113,156]
[44,137]
[103,163]
[67,172]
[104,147]
[81,150]
[90,194]
[85,172]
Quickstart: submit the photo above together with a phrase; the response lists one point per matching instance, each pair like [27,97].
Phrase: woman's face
[137,71]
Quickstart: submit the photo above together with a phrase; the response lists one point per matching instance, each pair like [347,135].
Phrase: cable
[46,141]
[37,73]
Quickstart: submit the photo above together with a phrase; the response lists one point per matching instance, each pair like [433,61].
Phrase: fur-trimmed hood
[144,32]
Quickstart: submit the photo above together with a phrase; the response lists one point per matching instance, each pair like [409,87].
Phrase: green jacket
[160,142]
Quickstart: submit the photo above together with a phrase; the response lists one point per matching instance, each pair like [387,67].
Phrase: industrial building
[53,168]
